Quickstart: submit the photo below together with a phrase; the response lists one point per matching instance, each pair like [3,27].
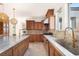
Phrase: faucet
[73,36]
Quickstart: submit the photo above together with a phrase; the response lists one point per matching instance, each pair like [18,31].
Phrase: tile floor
[36,49]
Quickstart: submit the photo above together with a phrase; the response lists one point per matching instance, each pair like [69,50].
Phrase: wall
[64,15]
[20,21]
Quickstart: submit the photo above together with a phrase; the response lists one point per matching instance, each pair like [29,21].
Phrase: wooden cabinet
[51,49]
[7,53]
[31,38]
[50,12]
[36,38]
[20,48]
[46,44]
[38,25]
[54,51]
[39,38]
[1,28]
[30,25]
[17,50]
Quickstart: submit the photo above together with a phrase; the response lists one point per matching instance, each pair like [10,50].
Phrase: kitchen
[40,31]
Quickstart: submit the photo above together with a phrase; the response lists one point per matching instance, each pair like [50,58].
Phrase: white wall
[20,21]
[46,20]
[64,15]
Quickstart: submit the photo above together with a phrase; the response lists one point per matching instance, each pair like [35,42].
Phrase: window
[60,23]
[73,22]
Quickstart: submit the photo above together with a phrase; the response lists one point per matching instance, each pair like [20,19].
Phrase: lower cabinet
[7,53]
[51,49]
[20,48]
[54,51]
[46,44]
[17,50]
[36,38]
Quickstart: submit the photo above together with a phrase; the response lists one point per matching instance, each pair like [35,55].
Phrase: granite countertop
[52,40]
[8,42]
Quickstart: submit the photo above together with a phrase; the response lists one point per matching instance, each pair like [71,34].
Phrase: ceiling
[30,10]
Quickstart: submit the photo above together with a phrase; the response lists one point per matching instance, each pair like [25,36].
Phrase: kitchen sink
[68,46]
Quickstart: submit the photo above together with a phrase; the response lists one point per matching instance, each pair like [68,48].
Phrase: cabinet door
[36,38]
[32,38]
[52,50]
[46,44]
[40,25]
[27,43]
[30,25]
[39,38]
[36,26]
[7,53]
[16,50]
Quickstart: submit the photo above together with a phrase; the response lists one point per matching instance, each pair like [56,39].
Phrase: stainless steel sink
[68,46]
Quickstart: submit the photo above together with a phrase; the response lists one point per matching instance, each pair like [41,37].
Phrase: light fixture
[13,20]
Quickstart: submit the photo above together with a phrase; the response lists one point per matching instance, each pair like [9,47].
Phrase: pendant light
[13,20]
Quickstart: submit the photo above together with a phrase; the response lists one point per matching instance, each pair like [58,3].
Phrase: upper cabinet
[38,26]
[50,12]
[29,24]
[32,25]
[51,19]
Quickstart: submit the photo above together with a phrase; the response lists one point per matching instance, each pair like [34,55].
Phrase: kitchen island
[13,46]
[16,46]
[54,48]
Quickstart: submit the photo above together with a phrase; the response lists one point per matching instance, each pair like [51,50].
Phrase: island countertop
[8,42]
[52,40]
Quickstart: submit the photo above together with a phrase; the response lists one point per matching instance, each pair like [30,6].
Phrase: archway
[4,24]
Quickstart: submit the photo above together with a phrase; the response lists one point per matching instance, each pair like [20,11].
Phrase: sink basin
[68,46]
